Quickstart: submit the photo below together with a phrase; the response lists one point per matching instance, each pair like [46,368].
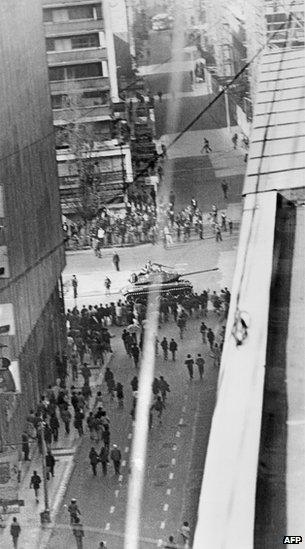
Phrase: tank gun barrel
[201,271]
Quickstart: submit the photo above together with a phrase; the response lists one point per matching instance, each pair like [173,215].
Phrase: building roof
[277,154]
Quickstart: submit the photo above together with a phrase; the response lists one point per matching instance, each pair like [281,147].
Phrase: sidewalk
[33,535]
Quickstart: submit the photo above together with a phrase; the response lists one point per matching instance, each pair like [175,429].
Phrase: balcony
[92,113]
[75,56]
[66,28]
[81,84]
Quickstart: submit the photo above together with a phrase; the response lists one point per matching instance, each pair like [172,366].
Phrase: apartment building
[32,325]
[84,92]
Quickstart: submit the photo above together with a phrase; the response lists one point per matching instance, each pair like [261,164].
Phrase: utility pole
[44,515]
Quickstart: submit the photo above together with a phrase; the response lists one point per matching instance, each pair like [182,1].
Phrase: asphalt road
[175,455]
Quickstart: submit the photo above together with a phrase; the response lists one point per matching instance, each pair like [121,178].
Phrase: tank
[159,280]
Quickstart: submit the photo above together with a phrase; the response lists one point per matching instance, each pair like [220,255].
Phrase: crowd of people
[143,221]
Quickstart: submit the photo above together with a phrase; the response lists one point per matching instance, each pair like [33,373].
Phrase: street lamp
[44,515]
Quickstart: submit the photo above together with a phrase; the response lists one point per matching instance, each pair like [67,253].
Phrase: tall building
[84,93]
[32,327]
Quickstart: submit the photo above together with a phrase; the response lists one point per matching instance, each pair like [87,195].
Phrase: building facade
[32,328]
[84,91]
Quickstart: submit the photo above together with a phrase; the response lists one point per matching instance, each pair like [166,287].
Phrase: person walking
[173,348]
[211,338]
[203,330]
[164,345]
[50,464]
[225,188]
[54,425]
[185,532]
[35,484]
[74,282]
[206,146]
[73,511]
[230,223]
[78,533]
[223,221]
[86,373]
[78,421]
[15,531]
[25,446]
[200,363]
[94,459]
[159,407]
[120,394]
[218,236]
[104,459]
[116,457]
[190,365]
[163,387]
[66,417]
[235,140]
[135,351]
[107,284]
[116,260]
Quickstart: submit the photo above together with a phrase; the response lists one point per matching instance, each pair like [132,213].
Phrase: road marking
[165,507]
[168,492]
[178,434]
[123,463]
[129,435]
[112,509]
[160,543]
[173,461]
[162,525]
[126,449]
[116,493]
[171,476]
[107,527]
[121,478]
[181,421]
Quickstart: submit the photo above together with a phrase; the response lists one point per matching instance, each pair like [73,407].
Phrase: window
[90,70]
[56,73]
[81,12]
[50,44]
[96,97]
[60,101]
[85,41]
[47,16]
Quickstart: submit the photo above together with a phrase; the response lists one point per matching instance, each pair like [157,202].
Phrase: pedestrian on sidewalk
[185,532]
[15,531]
[116,260]
[134,383]
[190,366]
[173,348]
[74,366]
[104,453]
[211,338]
[66,417]
[106,436]
[78,532]
[73,511]
[107,284]
[50,464]
[54,425]
[135,351]
[164,345]
[235,140]
[116,457]
[78,421]
[94,459]
[200,363]
[35,484]
[225,188]
[74,286]
[25,446]
[120,394]
[86,372]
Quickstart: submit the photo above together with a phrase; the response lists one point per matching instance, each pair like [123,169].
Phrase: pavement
[33,534]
